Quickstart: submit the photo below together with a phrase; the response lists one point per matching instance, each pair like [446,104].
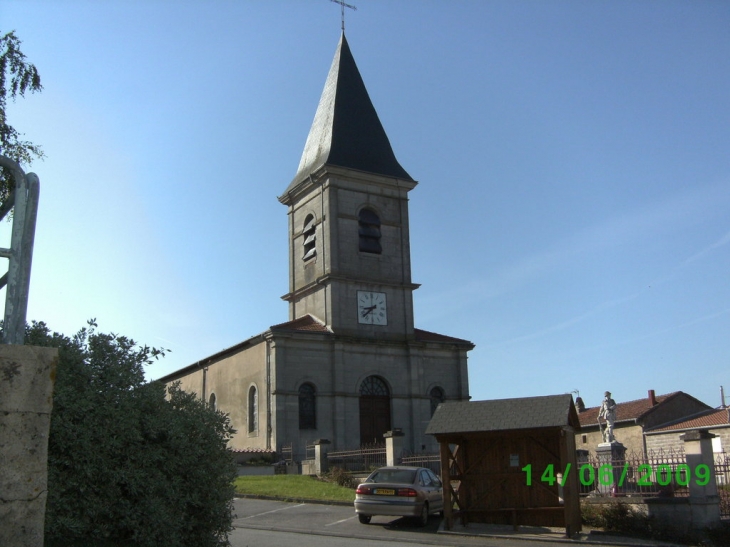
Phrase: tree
[128,463]
[16,77]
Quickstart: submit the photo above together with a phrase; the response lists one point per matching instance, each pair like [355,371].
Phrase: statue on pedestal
[607,412]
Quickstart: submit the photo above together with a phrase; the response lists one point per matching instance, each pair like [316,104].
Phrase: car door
[438,488]
[431,490]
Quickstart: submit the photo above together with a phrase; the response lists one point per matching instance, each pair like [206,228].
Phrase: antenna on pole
[342,8]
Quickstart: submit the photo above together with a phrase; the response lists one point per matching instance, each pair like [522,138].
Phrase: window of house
[309,233]
[369,230]
[211,401]
[437,397]
[307,407]
[253,410]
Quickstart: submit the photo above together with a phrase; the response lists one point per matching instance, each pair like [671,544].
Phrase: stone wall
[27,376]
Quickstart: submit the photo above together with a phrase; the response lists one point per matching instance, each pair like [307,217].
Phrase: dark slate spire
[346,131]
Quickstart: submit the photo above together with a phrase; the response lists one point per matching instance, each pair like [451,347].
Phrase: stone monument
[610,452]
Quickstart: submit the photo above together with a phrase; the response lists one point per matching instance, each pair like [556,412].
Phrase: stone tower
[349,252]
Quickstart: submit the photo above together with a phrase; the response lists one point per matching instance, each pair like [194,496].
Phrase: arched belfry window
[309,233]
[307,407]
[211,401]
[253,410]
[437,397]
[369,230]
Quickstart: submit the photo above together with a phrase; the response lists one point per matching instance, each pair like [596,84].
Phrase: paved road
[265,523]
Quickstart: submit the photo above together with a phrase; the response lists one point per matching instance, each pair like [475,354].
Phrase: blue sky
[572,216]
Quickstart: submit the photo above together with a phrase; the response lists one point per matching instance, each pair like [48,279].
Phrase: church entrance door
[374,410]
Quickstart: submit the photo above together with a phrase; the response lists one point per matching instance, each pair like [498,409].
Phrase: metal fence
[365,458]
[654,474]
[287,452]
[722,475]
[660,473]
[431,460]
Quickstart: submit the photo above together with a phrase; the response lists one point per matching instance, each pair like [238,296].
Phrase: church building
[348,365]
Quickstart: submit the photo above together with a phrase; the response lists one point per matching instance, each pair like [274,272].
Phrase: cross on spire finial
[342,8]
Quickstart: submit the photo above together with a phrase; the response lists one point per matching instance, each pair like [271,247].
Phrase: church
[348,365]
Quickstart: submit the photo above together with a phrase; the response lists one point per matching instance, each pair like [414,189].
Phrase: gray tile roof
[346,130]
[502,414]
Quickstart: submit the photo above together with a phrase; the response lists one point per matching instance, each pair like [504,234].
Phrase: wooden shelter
[509,461]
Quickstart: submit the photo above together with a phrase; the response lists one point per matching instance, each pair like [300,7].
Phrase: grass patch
[293,487]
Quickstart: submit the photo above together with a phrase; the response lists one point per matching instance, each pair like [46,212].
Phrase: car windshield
[403,476]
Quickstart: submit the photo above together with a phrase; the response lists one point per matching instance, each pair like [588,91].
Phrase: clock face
[371,308]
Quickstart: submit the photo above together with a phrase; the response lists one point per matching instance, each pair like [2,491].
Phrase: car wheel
[423,519]
[364,519]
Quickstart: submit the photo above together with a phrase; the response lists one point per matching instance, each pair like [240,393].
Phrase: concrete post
[27,375]
[704,499]
[393,446]
[320,456]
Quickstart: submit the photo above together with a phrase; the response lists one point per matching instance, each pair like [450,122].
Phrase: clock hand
[368,310]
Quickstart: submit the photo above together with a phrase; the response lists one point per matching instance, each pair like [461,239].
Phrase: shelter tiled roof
[711,418]
[503,414]
[627,411]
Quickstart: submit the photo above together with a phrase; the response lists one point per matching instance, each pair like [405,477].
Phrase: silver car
[400,491]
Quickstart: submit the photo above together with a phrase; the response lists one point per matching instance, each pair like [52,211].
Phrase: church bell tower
[349,251]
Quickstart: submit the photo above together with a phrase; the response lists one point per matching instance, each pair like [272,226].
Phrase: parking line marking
[339,521]
[273,511]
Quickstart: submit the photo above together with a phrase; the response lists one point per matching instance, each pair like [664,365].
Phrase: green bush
[128,463]
[341,477]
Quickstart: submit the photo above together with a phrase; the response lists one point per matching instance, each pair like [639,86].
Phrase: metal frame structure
[23,201]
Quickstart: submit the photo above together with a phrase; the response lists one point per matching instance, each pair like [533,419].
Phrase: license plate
[385,491]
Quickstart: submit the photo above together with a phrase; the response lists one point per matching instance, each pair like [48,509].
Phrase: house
[667,436]
[635,418]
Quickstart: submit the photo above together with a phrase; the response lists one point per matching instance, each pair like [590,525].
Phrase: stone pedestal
[320,456]
[393,446]
[612,454]
[704,499]
[27,375]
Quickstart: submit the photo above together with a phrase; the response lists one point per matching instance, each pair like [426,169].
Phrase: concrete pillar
[393,446]
[704,499]
[320,456]
[27,375]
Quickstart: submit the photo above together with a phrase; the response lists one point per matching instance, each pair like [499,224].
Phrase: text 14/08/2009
[647,475]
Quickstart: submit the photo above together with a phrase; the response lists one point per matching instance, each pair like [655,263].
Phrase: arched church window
[253,410]
[307,407]
[211,401]
[437,397]
[372,385]
[309,233]
[369,230]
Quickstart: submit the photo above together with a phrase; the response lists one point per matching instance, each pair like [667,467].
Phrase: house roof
[705,420]
[306,323]
[628,411]
[346,131]
[426,336]
[503,414]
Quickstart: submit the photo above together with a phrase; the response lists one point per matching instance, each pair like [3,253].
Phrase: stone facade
[332,371]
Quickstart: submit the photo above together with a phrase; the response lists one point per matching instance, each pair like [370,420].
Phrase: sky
[572,217]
